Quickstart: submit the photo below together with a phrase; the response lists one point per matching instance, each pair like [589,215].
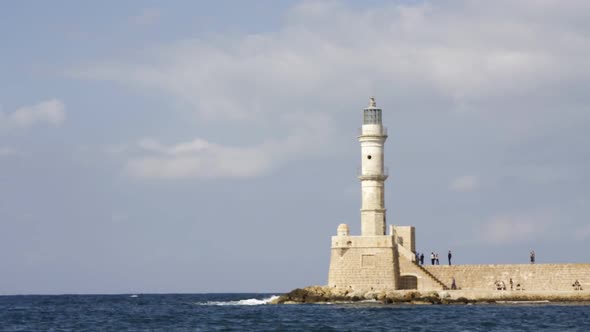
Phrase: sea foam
[242,302]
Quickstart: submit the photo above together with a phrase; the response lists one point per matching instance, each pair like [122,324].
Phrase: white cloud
[203,159]
[147,16]
[8,151]
[213,162]
[464,183]
[500,60]
[464,53]
[116,149]
[504,229]
[49,112]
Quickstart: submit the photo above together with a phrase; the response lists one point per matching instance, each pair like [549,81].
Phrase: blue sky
[150,146]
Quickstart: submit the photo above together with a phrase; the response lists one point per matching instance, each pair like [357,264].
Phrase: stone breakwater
[322,294]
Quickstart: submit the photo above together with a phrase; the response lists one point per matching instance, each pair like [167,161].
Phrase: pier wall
[530,277]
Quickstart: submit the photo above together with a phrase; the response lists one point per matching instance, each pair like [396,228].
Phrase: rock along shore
[322,294]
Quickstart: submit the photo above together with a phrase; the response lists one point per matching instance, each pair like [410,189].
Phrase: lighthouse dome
[343,230]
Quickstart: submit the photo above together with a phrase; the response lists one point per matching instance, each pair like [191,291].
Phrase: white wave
[368,301]
[242,302]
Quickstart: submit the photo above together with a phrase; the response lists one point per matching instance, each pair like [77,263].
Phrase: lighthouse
[372,173]
[378,261]
[370,260]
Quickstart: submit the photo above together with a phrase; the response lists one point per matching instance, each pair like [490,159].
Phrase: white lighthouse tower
[372,174]
[368,261]
[372,261]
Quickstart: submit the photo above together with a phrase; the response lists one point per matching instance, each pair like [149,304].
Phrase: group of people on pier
[433,258]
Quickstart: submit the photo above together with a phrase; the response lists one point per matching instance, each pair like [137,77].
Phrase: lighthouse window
[372,116]
[369,157]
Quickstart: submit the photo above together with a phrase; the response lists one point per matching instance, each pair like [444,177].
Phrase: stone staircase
[408,266]
[430,275]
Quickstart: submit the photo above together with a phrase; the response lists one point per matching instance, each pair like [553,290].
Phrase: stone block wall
[531,277]
[406,236]
[363,263]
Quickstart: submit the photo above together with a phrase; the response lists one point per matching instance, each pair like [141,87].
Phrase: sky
[196,147]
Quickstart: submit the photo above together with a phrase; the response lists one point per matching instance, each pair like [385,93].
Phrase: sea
[252,312]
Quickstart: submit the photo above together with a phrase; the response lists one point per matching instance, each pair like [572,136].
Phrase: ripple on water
[249,312]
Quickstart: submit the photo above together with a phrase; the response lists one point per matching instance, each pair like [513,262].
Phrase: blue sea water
[250,312]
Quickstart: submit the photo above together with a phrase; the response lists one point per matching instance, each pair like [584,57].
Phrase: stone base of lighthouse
[364,263]
[380,262]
